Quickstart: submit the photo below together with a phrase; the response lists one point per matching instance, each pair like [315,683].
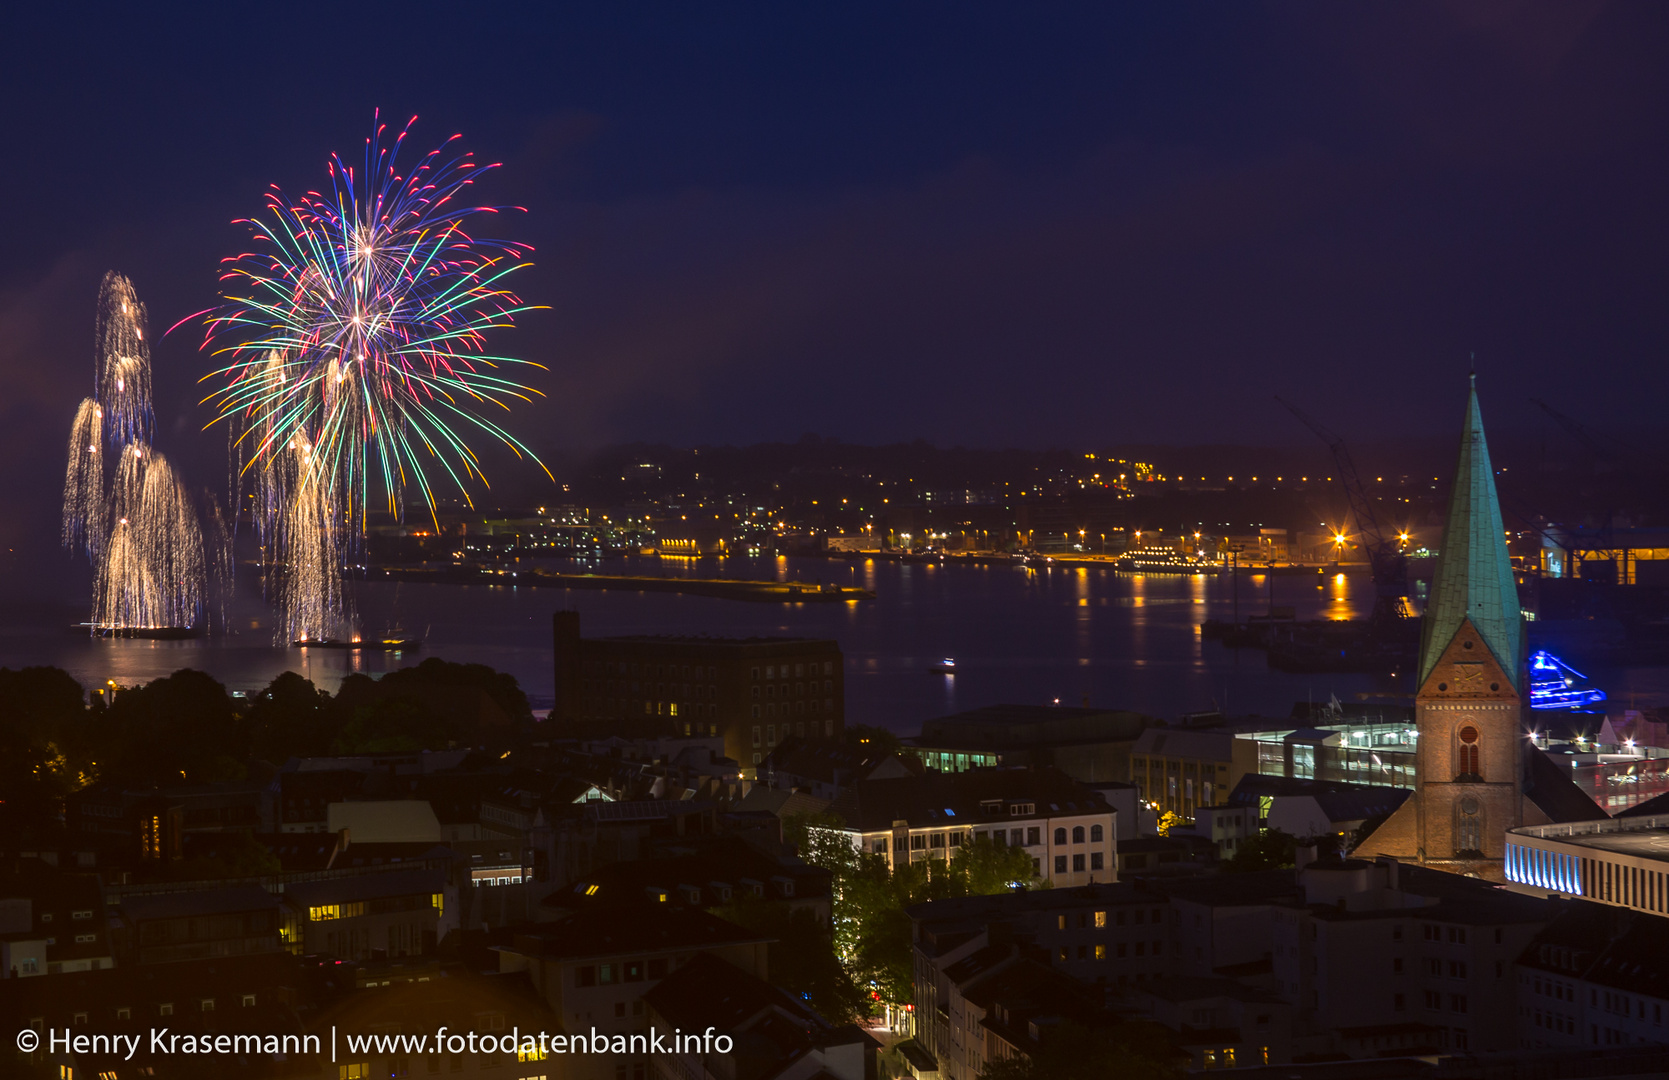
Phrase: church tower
[1473,685]
[1472,689]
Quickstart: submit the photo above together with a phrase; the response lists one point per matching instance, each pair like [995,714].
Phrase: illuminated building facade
[1623,862]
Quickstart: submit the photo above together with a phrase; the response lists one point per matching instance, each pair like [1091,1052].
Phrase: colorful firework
[359,325]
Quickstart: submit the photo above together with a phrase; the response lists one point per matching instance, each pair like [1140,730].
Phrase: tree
[873,741]
[872,924]
[802,957]
[1269,850]
[182,728]
[238,855]
[1071,1051]
[985,868]
[43,751]
[291,718]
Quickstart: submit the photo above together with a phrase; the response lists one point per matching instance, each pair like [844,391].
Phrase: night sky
[979,224]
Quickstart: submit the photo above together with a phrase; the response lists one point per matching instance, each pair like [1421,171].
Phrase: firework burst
[358,325]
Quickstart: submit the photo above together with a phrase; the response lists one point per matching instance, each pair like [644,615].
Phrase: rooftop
[632,931]
[978,797]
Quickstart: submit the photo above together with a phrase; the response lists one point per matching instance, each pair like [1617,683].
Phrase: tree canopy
[871,920]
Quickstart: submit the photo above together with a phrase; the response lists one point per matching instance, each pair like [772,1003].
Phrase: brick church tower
[1475,774]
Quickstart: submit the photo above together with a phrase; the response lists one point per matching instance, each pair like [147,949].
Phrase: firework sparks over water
[353,348]
[123,505]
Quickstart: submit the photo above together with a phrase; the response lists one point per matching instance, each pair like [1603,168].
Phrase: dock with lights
[762,592]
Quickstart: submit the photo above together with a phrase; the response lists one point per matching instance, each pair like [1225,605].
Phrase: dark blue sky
[985,224]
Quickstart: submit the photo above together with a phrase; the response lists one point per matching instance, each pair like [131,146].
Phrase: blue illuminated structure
[1554,684]
[1544,869]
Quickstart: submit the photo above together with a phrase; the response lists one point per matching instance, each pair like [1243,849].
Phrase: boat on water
[360,644]
[1554,684]
[1164,561]
[946,666]
[154,633]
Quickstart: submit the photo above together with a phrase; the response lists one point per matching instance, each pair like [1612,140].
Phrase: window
[1469,826]
[1060,922]
[1101,952]
[1060,836]
[1060,864]
[124,1013]
[165,1009]
[1077,834]
[1095,861]
[1034,836]
[1398,1002]
[1095,834]
[79,1019]
[1466,757]
[1078,863]
[359,1070]
[1100,918]
[249,1001]
[206,1005]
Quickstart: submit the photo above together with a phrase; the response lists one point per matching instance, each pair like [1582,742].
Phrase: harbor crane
[1389,565]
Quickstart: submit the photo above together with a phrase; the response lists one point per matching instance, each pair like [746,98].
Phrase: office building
[753,692]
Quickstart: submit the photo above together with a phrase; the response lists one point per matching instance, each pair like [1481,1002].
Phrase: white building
[1068,830]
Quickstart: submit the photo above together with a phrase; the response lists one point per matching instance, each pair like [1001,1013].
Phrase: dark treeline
[186,728]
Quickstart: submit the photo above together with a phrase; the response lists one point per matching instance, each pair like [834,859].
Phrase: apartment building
[54,921]
[595,966]
[172,926]
[753,692]
[1067,829]
[784,1038]
[1220,1023]
[1595,977]
[1378,943]
[370,916]
[994,1003]
[1107,936]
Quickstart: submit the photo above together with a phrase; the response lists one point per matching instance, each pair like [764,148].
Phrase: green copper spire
[1474,575]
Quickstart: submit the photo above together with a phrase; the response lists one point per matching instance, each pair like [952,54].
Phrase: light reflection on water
[1017,634]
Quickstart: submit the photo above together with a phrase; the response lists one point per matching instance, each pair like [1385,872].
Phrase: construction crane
[1389,565]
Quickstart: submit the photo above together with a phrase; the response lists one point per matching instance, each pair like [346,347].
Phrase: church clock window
[1469,827]
[1466,754]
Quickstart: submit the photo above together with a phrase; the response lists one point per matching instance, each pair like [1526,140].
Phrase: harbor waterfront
[1036,635]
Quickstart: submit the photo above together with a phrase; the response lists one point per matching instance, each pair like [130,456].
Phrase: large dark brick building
[754,692]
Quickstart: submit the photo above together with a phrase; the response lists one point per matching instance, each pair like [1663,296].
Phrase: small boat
[947,666]
[361,645]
